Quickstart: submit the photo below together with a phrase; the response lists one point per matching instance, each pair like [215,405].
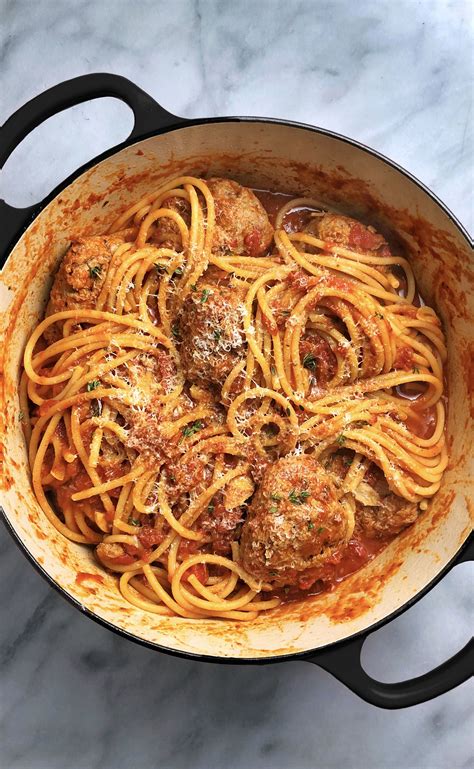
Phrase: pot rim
[231,660]
[35,210]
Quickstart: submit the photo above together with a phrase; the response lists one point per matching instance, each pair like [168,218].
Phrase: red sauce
[404,358]
[84,576]
[345,561]
[199,570]
[149,536]
[362,238]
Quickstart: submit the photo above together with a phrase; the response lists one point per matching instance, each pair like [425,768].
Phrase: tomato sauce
[359,551]
[294,221]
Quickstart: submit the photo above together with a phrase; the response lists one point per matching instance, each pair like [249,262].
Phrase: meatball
[295,522]
[166,233]
[80,277]
[149,377]
[387,519]
[211,331]
[242,224]
[344,231]
[379,512]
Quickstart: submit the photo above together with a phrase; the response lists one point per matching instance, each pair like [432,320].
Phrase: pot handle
[343,662]
[149,117]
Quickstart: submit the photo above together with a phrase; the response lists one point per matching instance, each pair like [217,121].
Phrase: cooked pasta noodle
[313,347]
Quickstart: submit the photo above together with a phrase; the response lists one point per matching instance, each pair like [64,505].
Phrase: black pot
[264,153]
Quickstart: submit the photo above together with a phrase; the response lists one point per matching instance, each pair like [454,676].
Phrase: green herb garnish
[134,522]
[275,497]
[274,509]
[310,525]
[309,361]
[21,416]
[298,497]
[189,430]
[92,385]
[94,272]
[175,330]
[217,334]
[320,530]
[341,439]
[205,294]
[178,272]
[193,287]
[161,268]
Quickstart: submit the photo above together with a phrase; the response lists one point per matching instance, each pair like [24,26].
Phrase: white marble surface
[397,76]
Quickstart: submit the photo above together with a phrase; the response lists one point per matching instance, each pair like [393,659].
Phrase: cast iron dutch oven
[330,629]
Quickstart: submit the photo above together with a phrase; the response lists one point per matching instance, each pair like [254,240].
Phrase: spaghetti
[164,385]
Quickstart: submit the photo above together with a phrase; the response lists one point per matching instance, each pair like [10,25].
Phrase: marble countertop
[392,75]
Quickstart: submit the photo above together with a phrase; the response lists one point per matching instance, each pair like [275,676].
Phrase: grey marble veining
[397,76]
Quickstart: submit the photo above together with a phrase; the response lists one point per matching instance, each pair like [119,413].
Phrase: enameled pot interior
[279,157]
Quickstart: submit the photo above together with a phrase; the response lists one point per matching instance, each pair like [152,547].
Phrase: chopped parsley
[273,370]
[205,294]
[134,522]
[217,334]
[320,530]
[310,525]
[210,508]
[94,272]
[93,385]
[193,287]
[175,330]
[309,361]
[274,509]
[178,272]
[298,497]
[189,430]
[160,268]
[341,439]
[21,416]
[275,497]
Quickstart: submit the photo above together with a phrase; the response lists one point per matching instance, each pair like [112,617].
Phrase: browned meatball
[81,276]
[211,331]
[166,232]
[379,512]
[344,231]
[295,522]
[242,224]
